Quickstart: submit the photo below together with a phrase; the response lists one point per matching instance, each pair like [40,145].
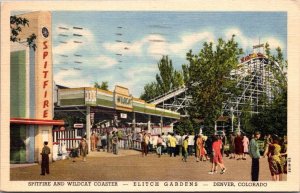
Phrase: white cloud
[274,43]
[136,78]
[247,42]
[106,62]
[70,78]
[188,41]
[244,41]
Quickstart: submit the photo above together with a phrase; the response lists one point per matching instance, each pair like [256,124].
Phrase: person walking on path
[83,146]
[255,155]
[185,145]
[159,145]
[45,159]
[217,159]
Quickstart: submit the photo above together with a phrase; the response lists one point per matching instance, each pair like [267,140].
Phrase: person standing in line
[93,139]
[182,139]
[238,144]
[178,144]
[185,145]
[231,146]
[195,145]
[130,142]
[83,146]
[217,159]
[115,144]
[168,143]
[164,144]
[268,140]
[255,155]
[191,145]
[172,142]
[145,141]
[159,145]
[246,145]
[198,147]
[45,159]
[103,141]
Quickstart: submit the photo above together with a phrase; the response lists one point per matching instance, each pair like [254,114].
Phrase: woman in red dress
[217,157]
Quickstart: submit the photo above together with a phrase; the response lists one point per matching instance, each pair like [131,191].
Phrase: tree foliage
[185,126]
[167,79]
[151,90]
[209,82]
[103,85]
[16,25]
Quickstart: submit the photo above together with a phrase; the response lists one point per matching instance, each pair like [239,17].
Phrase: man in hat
[45,159]
[255,155]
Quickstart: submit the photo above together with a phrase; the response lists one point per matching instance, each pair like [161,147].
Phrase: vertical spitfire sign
[40,25]
[44,67]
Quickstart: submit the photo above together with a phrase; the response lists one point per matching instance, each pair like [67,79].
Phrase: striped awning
[26,121]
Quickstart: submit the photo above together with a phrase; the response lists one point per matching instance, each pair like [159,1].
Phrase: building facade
[31,98]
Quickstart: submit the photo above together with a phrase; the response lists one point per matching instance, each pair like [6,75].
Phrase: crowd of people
[205,148]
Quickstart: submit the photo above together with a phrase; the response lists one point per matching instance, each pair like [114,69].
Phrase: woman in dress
[239,148]
[274,159]
[217,159]
[246,145]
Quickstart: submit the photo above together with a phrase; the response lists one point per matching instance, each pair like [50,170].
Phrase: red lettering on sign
[45,45]
[45,74]
[45,83]
[45,54]
[45,64]
[46,104]
[45,114]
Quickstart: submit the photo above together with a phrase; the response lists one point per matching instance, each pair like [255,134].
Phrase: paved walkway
[129,165]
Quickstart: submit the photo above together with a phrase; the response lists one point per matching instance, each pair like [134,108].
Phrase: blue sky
[123,48]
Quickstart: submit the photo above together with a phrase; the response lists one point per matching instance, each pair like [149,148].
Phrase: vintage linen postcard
[149,96]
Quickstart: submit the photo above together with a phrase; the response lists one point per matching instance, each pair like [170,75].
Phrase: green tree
[16,25]
[103,85]
[209,78]
[151,90]
[167,79]
[185,126]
